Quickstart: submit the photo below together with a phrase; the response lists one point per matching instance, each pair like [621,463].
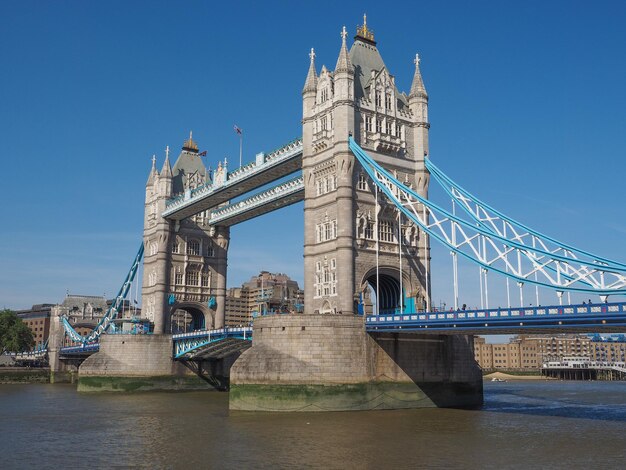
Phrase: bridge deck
[566,319]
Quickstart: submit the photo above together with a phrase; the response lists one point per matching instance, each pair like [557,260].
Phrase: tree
[15,336]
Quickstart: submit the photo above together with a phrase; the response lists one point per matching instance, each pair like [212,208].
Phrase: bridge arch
[189,316]
[387,291]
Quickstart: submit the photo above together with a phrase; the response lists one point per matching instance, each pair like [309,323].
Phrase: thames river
[530,424]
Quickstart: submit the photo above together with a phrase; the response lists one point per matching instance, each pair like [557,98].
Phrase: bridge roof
[365,57]
[187,163]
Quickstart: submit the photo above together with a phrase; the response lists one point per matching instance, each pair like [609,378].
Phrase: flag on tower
[203,153]
[237,130]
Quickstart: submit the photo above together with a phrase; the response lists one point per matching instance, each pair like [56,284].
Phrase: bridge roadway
[266,169]
[590,318]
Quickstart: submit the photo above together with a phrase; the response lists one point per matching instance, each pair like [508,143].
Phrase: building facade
[37,318]
[531,351]
[347,233]
[265,293]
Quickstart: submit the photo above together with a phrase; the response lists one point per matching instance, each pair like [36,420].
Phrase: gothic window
[362,183]
[379,125]
[398,130]
[385,231]
[369,230]
[193,247]
[388,127]
[192,278]
[387,101]
[324,96]
[178,278]
[324,123]
[326,279]
[175,247]
[210,251]
[205,279]
[368,123]
[326,231]
[378,99]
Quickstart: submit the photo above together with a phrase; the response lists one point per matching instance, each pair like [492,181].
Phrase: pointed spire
[190,145]
[166,171]
[153,171]
[311,79]
[417,87]
[343,62]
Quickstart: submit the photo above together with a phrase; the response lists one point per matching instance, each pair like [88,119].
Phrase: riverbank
[22,375]
[505,376]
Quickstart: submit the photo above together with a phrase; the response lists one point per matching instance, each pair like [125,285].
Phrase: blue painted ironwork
[185,343]
[591,316]
[81,350]
[493,251]
[106,321]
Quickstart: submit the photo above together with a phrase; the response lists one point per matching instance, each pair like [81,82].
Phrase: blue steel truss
[185,343]
[503,253]
[106,321]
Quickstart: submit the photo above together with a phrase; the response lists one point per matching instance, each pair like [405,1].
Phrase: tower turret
[418,104]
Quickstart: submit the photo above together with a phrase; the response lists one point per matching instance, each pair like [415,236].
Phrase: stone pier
[330,363]
[127,363]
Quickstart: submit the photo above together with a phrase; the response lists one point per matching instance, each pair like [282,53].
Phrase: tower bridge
[368,337]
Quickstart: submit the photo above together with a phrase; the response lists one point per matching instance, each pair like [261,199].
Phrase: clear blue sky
[527,107]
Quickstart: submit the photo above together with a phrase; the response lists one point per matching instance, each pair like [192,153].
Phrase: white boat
[498,379]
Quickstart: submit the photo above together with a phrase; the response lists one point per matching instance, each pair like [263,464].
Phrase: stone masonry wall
[132,355]
[304,349]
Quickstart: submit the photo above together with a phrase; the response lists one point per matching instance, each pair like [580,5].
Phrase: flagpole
[240,147]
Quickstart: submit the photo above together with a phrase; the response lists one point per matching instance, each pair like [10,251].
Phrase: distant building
[37,318]
[528,352]
[82,311]
[267,292]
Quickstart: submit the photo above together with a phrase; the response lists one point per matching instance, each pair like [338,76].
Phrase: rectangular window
[362,184]
[193,247]
[387,101]
[192,278]
[398,130]
[369,230]
[205,280]
[378,99]
[178,278]
[368,123]
[379,125]
[388,127]
[385,231]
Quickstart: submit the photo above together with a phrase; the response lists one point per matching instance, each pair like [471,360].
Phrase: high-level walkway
[266,169]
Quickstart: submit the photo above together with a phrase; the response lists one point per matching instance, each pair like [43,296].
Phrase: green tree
[15,336]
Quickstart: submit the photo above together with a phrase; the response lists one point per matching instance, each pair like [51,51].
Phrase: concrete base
[136,363]
[329,363]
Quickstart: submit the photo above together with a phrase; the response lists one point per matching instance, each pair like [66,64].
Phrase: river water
[524,424]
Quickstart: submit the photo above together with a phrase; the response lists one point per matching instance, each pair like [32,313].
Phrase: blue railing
[526,317]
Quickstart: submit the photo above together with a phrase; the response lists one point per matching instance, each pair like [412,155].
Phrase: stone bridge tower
[318,361]
[184,278]
[346,231]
